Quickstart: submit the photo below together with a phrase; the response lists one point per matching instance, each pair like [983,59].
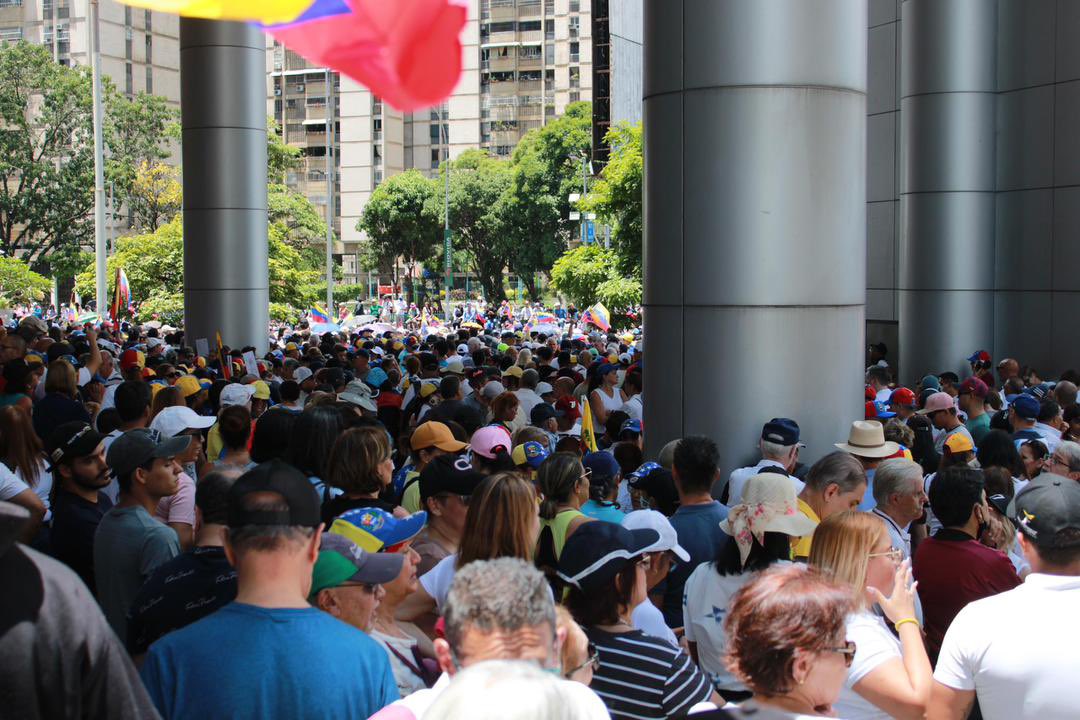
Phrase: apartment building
[523,62]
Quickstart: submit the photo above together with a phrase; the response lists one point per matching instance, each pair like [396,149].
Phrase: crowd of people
[465,524]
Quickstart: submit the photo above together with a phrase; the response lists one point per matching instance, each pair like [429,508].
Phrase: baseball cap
[543,412]
[454,367]
[236,394]
[930,381]
[937,401]
[607,368]
[132,358]
[513,371]
[902,397]
[979,356]
[882,411]
[262,390]
[1026,407]
[463,349]
[544,389]
[959,443]
[633,425]
[341,560]
[529,453]
[359,393]
[597,551]
[154,342]
[136,447]
[291,346]
[493,390]
[188,385]
[452,474]
[172,421]
[568,406]
[1039,392]
[653,520]
[1045,507]
[280,478]
[72,440]
[35,323]
[782,431]
[302,373]
[487,439]
[601,464]
[973,386]
[374,529]
[436,434]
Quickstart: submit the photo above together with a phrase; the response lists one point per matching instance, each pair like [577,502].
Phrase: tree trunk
[529,280]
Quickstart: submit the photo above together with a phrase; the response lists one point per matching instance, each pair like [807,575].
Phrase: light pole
[447,250]
[330,132]
[94,59]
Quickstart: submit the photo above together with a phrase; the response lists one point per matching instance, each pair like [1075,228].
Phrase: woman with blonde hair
[502,521]
[888,677]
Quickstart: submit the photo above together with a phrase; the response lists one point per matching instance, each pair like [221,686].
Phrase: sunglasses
[848,651]
[592,661]
[893,554]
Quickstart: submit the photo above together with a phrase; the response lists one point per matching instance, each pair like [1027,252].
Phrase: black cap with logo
[1048,505]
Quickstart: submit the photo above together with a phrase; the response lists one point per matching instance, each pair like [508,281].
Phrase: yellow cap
[262,390]
[428,389]
[959,443]
[513,371]
[188,385]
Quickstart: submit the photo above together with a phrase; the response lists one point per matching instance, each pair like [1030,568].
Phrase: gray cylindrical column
[755,219]
[947,183]
[223,108]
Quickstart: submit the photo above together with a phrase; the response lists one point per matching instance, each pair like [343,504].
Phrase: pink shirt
[179,508]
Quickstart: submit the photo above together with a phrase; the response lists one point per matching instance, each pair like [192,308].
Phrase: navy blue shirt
[71,537]
[187,588]
[698,528]
[268,664]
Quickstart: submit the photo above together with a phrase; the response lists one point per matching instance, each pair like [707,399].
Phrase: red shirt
[953,569]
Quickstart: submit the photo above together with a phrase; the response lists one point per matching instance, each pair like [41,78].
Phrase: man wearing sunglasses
[496,610]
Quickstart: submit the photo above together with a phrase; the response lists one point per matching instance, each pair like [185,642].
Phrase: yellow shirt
[410,499]
[214,444]
[802,548]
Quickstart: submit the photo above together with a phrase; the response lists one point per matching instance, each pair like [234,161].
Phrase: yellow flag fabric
[265,11]
[588,434]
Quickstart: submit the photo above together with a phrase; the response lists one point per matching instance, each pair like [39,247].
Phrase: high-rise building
[140,49]
[523,62]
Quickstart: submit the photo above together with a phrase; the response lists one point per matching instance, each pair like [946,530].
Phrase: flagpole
[93,49]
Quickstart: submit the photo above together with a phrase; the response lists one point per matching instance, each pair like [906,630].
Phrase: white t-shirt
[436,581]
[705,605]
[737,479]
[874,646]
[1018,650]
[42,488]
[10,484]
[633,408]
[648,619]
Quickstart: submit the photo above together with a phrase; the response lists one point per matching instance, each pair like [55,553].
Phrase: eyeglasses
[368,588]
[893,554]
[848,651]
[593,661]
[1055,460]
[645,562]
[463,499]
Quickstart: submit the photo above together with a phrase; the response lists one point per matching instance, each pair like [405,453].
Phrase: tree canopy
[616,197]
[20,284]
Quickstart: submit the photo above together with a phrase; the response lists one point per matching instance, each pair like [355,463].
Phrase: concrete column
[755,219]
[223,107]
[947,183]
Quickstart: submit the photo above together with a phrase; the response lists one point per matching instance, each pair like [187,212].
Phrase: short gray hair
[775,451]
[839,468]
[502,594]
[530,379]
[895,475]
[1070,452]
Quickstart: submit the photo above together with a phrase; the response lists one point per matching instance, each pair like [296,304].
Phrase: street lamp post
[330,132]
[94,59]
[447,250]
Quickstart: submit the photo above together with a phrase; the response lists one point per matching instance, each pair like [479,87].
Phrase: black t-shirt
[74,522]
[187,588]
[336,506]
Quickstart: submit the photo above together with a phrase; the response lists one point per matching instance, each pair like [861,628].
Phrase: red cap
[871,410]
[902,397]
[568,406]
[975,386]
[869,394]
[131,358]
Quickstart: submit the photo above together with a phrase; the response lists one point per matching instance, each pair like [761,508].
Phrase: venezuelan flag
[318,315]
[266,11]
[544,318]
[598,315]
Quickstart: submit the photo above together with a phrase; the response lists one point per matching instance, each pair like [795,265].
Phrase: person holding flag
[598,315]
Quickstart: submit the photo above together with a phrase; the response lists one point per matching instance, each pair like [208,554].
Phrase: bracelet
[913,621]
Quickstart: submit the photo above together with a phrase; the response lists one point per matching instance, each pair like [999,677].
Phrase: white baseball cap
[236,394]
[302,373]
[175,420]
[544,388]
[653,520]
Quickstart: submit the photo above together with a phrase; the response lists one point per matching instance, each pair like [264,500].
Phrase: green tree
[46,153]
[547,167]
[477,182]
[280,158]
[20,284]
[401,219]
[579,272]
[616,197]
[138,132]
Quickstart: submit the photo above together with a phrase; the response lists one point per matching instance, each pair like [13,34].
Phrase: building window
[147,20]
[11,34]
[149,79]
[438,132]
[529,52]
[149,49]
[127,42]
[549,54]
[129,84]
[575,6]
[528,75]
[575,51]
[575,26]
[529,26]
[14,3]
[315,101]
[549,29]
[436,158]
[575,77]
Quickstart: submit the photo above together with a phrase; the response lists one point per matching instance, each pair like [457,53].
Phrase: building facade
[523,62]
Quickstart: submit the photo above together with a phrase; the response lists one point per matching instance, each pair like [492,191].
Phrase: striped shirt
[644,678]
